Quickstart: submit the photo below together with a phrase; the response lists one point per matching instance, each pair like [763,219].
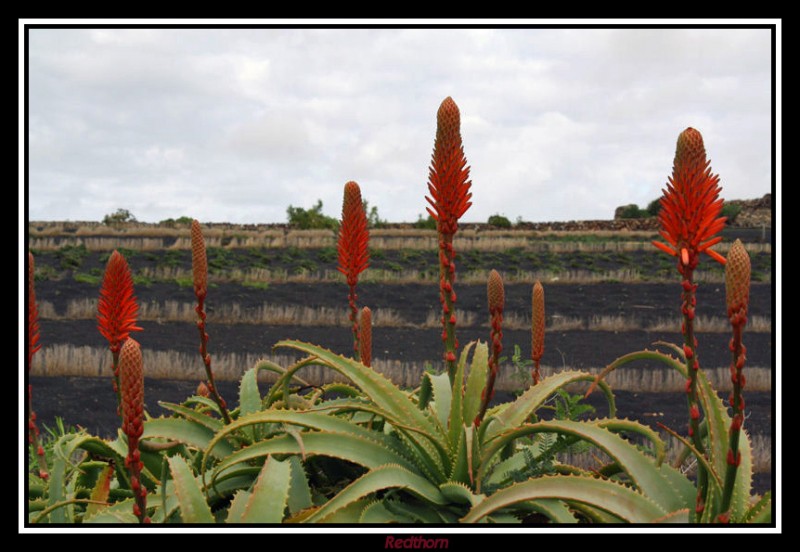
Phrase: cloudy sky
[237,124]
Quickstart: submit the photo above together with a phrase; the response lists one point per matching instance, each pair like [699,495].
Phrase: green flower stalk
[353,249]
[448,184]
[737,292]
[496,296]
[200,280]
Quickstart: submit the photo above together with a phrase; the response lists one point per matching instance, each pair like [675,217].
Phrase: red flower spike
[33,314]
[448,181]
[117,308]
[690,206]
[353,235]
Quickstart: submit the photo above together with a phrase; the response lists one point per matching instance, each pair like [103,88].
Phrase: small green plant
[425,223]
[731,211]
[499,221]
[118,217]
[71,256]
[310,219]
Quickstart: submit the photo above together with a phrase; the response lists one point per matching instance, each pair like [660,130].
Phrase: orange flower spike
[132,391]
[366,336]
[117,308]
[495,294]
[537,328]
[690,205]
[33,314]
[737,283]
[199,261]
[353,248]
[448,182]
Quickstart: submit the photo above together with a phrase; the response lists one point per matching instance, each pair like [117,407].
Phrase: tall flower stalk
[117,310]
[537,329]
[132,392]
[690,219]
[737,292]
[353,249]
[33,346]
[448,184]
[200,278]
[496,297]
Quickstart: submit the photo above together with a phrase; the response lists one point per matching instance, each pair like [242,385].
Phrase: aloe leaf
[249,396]
[554,509]
[201,418]
[442,397]
[187,432]
[476,382]
[459,493]
[617,499]
[761,511]
[455,420]
[267,501]
[194,508]
[384,477]
[237,508]
[516,413]
[119,512]
[376,512]
[358,450]
[642,469]
[375,385]
[99,492]
[299,490]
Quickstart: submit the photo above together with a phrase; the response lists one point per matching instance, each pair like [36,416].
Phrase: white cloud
[237,124]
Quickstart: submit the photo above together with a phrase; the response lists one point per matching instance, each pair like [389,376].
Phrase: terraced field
[606,295]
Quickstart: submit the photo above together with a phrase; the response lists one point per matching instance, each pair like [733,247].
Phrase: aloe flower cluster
[131,380]
[537,329]
[448,184]
[689,217]
[117,309]
[33,346]
[200,280]
[496,296]
[353,249]
[737,294]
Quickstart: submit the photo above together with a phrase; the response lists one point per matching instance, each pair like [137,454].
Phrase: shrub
[499,221]
[120,216]
[425,223]
[653,208]
[731,211]
[310,219]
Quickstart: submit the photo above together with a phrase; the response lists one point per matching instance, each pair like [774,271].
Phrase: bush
[653,207]
[631,211]
[180,221]
[373,219]
[731,211]
[121,216]
[309,219]
[425,223]
[499,221]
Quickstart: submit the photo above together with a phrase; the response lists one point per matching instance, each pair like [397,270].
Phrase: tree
[121,216]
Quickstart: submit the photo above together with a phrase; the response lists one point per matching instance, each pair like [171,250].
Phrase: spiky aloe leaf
[193,415]
[249,397]
[267,501]
[761,511]
[476,382]
[99,492]
[554,509]
[299,490]
[620,426]
[459,493]
[119,512]
[455,420]
[375,385]
[615,498]
[642,470]
[376,512]
[188,432]
[193,506]
[441,395]
[384,477]
[352,448]
[516,413]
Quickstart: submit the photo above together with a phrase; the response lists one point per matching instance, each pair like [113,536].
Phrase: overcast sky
[234,125]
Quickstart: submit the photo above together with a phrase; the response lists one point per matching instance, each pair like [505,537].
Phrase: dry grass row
[300,315]
[70,360]
[315,239]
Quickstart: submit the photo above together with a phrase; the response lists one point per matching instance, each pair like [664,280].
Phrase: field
[607,293]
